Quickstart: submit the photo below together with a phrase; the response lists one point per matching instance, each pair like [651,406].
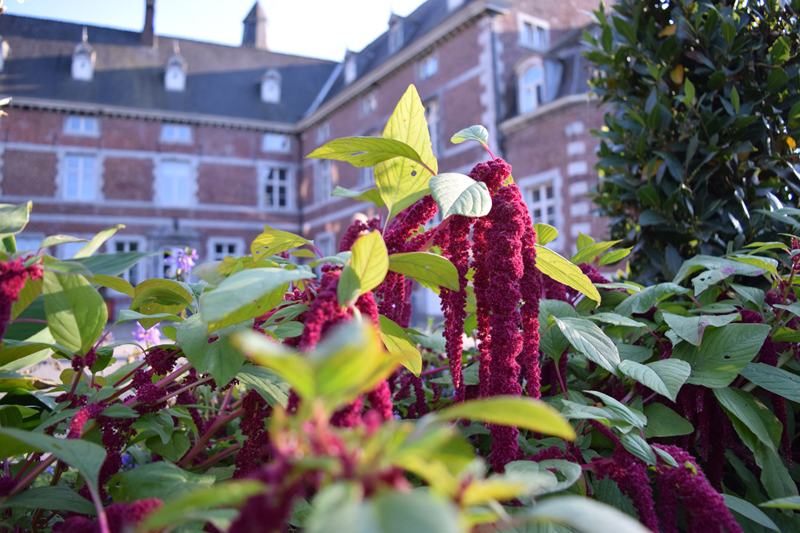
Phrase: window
[531,89]
[176,133]
[133,275]
[432,117]
[276,188]
[323,132]
[174,183]
[533,33]
[219,249]
[541,200]
[322,186]
[271,87]
[275,142]
[428,67]
[369,103]
[79,125]
[367,176]
[68,250]
[395,37]
[350,70]
[79,178]
[28,242]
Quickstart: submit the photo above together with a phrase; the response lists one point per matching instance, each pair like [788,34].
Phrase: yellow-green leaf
[75,311]
[370,260]
[115,283]
[97,241]
[364,151]
[561,270]
[427,267]
[398,343]
[274,241]
[401,181]
[293,367]
[349,288]
[370,195]
[545,233]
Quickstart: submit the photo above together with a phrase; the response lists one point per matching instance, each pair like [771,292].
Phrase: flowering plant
[551,399]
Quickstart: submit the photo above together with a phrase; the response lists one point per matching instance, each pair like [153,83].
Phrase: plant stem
[433,371]
[440,228]
[218,457]
[227,399]
[561,379]
[32,320]
[201,444]
[27,480]
[102,519]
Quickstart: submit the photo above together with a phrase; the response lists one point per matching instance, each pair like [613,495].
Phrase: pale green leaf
[664,377]
[349,288]
[14,218]
[775,380]
[747,509]
[751,413]
[664,422]
[585,515]
[545,233]
[426,266]
[473,133]
[691,329]
[553,265]
[590,340]
[218,358]
[75,312]
[587,254]
[112,282]
[398,343]
[370,195]
[458,194]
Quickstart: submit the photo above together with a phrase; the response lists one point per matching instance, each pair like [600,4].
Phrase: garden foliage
[550,399]
[698,152]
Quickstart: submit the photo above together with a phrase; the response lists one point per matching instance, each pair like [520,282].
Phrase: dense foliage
[698,151]
[550,399]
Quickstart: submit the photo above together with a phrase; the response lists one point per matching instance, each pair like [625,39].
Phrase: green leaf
[97,241]
[112,282]
[638,447]
[747,509]
[14,350]
[735,99]
[426,266]
[728,31]
[399,344]
[642,301]
[615,256]
[267,383]
[775,380]
[723,353]
[777,78]
[779,53]
[664,377]
[297,370]
[590,340]
[273,242]
[369,195]
[183,508]
[254,309]
[584,516]
[364,151]
[370,260]
[126,315]
[616,320]
[30,291]
[691,329]
[790,502]
[774,475]
[620,410]
[664,422]
[545,233]
[162,480]
[14,218]
[66,267]
[342,259]
[587,254]
[625,29]
[217,358]
[553,265]
[160,296]
[519,411]
[750,294]
[173,450]
[112,264]
[349,288]
[57,498]
[458,194]
[244,288]
[584,241]
[86,457]
[473,133]
[688,92]
[401,181]
[55,240]
[743,405]
[75,312]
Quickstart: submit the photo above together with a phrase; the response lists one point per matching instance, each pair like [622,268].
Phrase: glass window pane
[282,196]
[536,195]
[269,199]
[549,191]
[71,185]
[133,246]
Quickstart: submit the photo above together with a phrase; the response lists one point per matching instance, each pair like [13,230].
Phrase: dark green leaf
[753,414]
[773,379]
[664,422]
[642,301]
[777,79]
[173,450]
[749,510]
[57,498]
[162,480]
[217,358]
[76,313]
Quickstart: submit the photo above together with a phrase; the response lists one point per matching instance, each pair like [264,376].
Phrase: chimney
[148,38]
[255,29]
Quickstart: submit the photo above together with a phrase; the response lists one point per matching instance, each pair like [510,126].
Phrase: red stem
[433,371]
[33,320]
[218,457]
[201,444]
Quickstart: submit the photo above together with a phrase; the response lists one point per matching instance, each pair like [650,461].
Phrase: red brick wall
[129,134]
[28,173]
[128,179]
[226,184]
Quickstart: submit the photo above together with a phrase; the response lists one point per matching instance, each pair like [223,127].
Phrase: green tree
[698,149]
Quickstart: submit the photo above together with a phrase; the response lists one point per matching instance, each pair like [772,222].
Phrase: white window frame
[285,148]
[213,242]
[428,67]
[550,177]
[324,131]
[264,181]
[369,102]
[141,246]
[323,181]
[95,177]
[524,19]
[169,138]
[192,182]
[82,126]
[537,97]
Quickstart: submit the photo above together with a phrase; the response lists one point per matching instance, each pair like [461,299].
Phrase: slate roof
[221,80]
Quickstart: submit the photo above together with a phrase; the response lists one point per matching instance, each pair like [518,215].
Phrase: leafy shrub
[296,401]
[698,151]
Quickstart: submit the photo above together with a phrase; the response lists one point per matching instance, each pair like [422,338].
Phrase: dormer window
[5,49]
[175,73]
[83,58]
[395,34]
[271,87]
[350,69]
[533,32]
[453,4]
[531,88]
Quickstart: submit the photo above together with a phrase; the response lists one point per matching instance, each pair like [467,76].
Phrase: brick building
[196,144]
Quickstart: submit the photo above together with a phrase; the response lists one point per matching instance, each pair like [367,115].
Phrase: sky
[317,28]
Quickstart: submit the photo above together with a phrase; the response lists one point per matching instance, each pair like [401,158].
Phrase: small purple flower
[151,336]
[184,259]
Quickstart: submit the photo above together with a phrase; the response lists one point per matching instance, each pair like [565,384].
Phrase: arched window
[531,89]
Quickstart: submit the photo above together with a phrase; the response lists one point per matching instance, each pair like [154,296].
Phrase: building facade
[200,145]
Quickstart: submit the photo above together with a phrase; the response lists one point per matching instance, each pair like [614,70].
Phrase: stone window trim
[111,246]
[172,133]
[533,32]
[263,180]
[280,143]
[540,181]
[158,176]
[62,161]
[82,126]
[523,86]
[213,254]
